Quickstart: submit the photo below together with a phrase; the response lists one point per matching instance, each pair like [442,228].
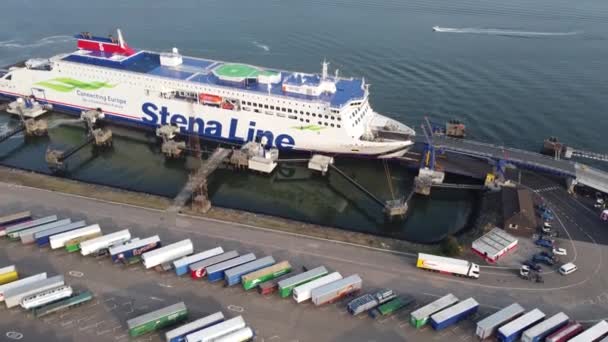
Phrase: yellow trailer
[8,274]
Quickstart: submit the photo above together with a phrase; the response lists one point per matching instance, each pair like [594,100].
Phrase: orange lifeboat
[210,99]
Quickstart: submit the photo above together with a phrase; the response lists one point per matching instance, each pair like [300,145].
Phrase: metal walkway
[582,174]
[570,152]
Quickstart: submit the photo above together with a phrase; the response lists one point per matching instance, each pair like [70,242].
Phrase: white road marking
[14,335]
[76,274]
[235,308]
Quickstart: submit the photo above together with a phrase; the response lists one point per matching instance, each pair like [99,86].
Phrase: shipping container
[218,330]
[251,280]
[512,331]
[489,325]
[157,319]
[181,265]
[27,225]
[179,334]
[13,297]
[545,328]
[8,274]
[15,218]
[43,238]
[21,282]
[241,335]
[391,306]
[420,317]
[96,245]
[233,275]
[167,253]
[369,301]
[454,314]
[216,272]
[73,245]
[131,252]
[45,297]
[27,235]
[59,240]
[565,333]
[64,304]
[595,333]
[336,290]
[272,285]
[304,292]
[199,269]
[447,265]
[286,286]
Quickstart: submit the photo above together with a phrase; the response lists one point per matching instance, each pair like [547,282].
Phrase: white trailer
[168,253]
[59,240]
[179,334]
[27,235]
[488,326]
[513,330]
[45,297]
[245,334]
[545,328]
[335,290]
[304,291]
[14,296]
[420,317]
[27,225]
[592,334]
[181,265]
[217,331]
[21,282]
[97,244]
[453,266]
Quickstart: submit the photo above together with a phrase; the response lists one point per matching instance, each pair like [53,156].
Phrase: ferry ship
[220,101]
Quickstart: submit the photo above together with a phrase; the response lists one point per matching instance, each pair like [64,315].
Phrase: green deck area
[240,71]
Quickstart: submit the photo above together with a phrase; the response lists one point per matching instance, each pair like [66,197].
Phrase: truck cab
[474,271]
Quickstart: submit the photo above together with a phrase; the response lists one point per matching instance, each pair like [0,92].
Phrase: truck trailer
[73,245]
[454,314]
[595,333]
[420,317]
[286,286]
[198,270]
[489,325]
[452,266]
[64,304]
[369,301]
[167,253]
[13,297]
[545,328]
[512,331]
[59,240]
[335,290]
[8,274]
[241,335]
[157,319]
[131,252]
[253,279]
[181,265]
[21,282]
[218,330]
[43,238]
[565,333]
[233,275]
[27,235]
[391,306]
[103,242]
[272,285]
[15,218]
[45,297]
[27,225]
[216,272]
[304,291]
[179,334]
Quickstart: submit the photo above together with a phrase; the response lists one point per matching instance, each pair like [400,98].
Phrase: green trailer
[420,317]
[158,319]
[391,306]
[73,245]
[252,280]
[286,286]
[64,304]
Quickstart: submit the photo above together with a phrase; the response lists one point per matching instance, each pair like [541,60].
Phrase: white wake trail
[261,46]
[501,32]
[16,44]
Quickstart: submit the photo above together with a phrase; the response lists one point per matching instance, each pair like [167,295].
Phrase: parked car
[567,268]
[544,243]
[532,266]
[543,259]
[548,216]
[549,255]
[559,251]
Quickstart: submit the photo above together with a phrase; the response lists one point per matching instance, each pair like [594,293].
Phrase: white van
[567,268]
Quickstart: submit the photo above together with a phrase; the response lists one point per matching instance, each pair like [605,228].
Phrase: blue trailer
[454,314]
[512,331]
[181,265]
[132,251]
[233,275]
[43,238]
[216,272]
[179,334]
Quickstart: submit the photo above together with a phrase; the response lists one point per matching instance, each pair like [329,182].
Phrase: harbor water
[515,72]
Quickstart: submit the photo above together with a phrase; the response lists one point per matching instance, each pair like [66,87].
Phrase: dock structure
[558,150]
[170,148]
[27,110]
[196,187]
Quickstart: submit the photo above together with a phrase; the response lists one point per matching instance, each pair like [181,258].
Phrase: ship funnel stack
[325,70]
[121,39]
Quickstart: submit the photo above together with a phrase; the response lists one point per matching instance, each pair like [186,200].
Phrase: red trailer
[567,332]
[272,285]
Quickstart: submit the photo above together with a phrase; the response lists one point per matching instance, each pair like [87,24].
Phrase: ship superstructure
[221,101]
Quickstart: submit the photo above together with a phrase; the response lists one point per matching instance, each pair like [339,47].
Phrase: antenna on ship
[325,68]
[337,73]
[269,87]
[121,40]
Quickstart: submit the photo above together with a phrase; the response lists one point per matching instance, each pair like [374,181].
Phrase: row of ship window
[289,110]
[294,117]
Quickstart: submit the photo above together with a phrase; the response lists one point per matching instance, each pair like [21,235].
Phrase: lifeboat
[227,105]
[210,99]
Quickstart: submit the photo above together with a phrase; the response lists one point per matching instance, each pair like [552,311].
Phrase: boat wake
[16,44]
[261,46]
[501,32]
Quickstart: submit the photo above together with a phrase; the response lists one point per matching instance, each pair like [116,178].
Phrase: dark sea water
[514,71]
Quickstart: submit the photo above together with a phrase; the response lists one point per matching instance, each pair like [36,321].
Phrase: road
[123,293]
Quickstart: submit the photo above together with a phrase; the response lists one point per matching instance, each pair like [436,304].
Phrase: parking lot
[123,293]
